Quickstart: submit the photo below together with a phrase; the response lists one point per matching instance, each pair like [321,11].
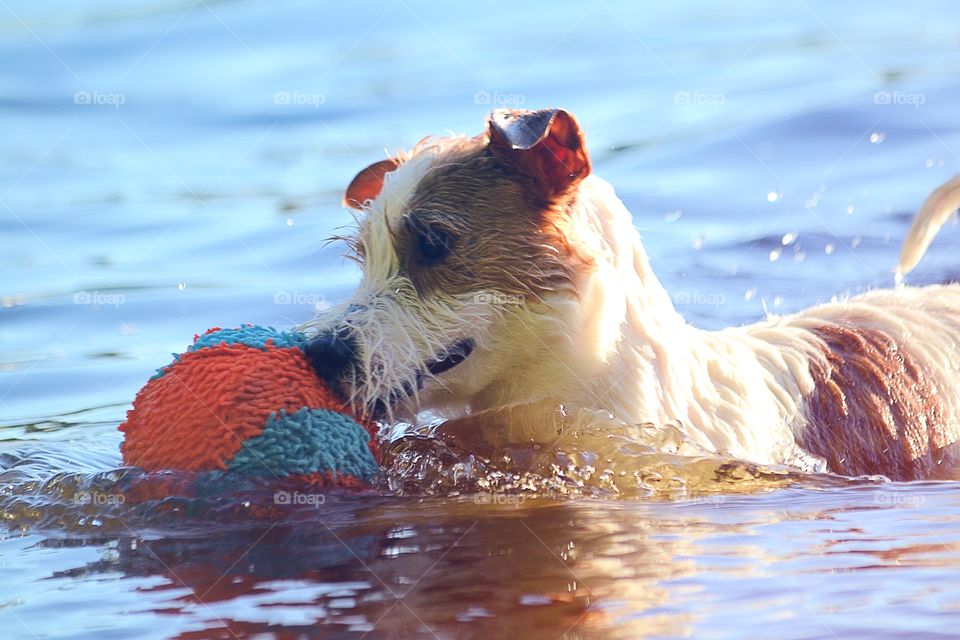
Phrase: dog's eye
[433,245]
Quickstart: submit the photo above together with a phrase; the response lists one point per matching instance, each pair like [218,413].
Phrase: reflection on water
[780,563]
[545,542]
[169,166]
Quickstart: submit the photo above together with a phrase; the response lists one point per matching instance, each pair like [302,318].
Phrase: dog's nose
[331,353]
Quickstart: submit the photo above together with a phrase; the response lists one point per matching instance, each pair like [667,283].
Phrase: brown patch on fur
[500,241]
[546,146]
[873,409]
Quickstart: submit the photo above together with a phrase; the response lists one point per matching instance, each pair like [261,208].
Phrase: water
[170,166]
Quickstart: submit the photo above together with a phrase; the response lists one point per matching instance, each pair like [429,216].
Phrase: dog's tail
[934,213]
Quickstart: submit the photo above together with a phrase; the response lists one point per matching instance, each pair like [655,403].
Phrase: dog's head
[470,271]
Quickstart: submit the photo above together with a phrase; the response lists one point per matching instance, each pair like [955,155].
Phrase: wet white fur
[620,346]
[738,390]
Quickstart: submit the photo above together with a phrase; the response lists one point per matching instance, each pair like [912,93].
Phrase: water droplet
[749,294]
[877,137]
[788,238]
[829,248]
[773,196]
[850,209]
[181,286]
[289,222]
[672,216]
[534,600]
[775,254]
[814,198]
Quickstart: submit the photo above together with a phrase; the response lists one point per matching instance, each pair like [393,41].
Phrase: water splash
[577,454]
[592,454]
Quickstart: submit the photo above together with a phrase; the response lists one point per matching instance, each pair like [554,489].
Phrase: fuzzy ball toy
[247,401]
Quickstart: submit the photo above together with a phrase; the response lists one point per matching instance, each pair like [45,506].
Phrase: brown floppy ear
[368,183]
[546,146]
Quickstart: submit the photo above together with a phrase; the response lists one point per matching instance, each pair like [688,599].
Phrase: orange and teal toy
[247,401]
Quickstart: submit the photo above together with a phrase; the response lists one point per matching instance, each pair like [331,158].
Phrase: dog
[498,271]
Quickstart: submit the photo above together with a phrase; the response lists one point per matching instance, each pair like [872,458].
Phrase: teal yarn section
[307,441]
[251,335]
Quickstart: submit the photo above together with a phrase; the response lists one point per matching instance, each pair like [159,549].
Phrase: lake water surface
[168,166]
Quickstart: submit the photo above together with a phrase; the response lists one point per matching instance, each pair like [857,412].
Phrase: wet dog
[499,272]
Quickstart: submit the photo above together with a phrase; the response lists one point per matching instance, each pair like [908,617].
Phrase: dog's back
[882,396]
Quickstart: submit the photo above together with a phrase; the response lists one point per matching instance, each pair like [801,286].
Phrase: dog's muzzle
[332,354]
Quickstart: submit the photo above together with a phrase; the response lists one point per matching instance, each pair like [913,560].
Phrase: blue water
[170,166]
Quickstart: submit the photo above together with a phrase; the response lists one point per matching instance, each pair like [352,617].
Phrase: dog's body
[498,272]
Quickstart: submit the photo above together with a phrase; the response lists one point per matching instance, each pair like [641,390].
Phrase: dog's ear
[546,146]
[368,183]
